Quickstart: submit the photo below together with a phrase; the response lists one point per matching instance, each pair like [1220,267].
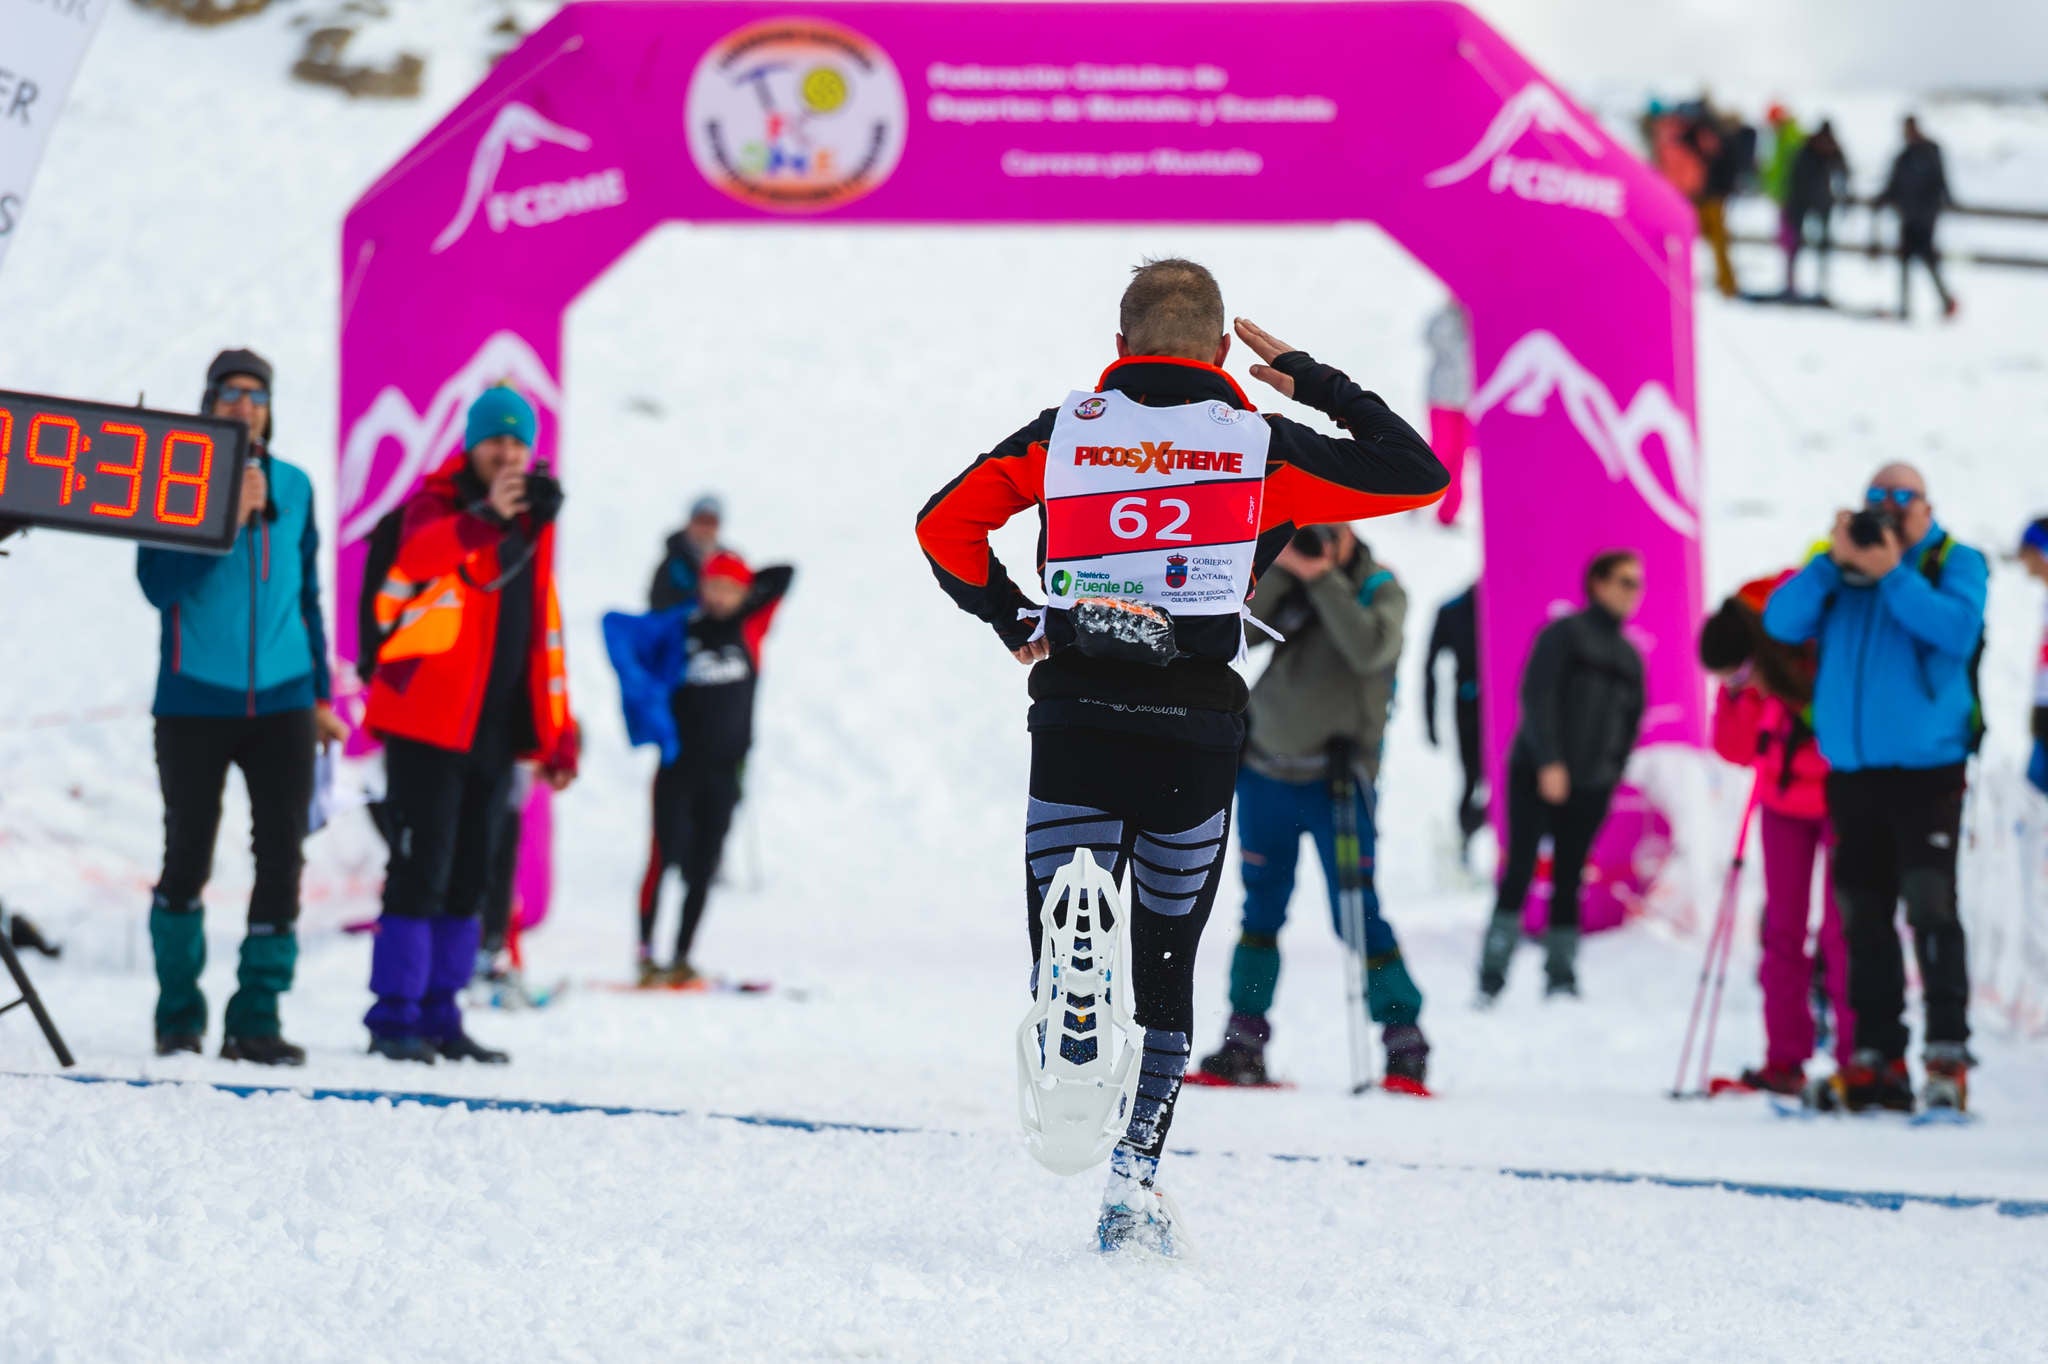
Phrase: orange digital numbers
[132,471]
[6,444]
[170,477]
[69,463]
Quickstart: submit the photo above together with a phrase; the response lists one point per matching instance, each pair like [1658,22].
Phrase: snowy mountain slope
[826,380]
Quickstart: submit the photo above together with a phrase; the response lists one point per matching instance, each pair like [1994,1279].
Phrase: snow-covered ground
[825,381]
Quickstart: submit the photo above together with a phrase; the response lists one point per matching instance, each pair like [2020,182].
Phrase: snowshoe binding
[1869,1082]
[1138,1216]
[1948,1078]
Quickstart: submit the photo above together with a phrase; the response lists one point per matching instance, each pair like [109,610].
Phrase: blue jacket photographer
[1896,605]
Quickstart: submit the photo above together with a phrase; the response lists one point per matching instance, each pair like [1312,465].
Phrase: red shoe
[1406,1084]
[1775,1079]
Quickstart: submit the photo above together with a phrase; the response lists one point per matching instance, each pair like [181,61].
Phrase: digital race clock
[168,478]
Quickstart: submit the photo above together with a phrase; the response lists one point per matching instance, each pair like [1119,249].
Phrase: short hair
[1728,638]
[1172,307]
[1603,565]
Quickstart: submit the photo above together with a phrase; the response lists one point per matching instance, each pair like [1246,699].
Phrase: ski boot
[170,1044]
[1241,1060]
[1774,1079]
[1407,1060]
[1137,1215]
[405,1049]
[463,1047]
[263,1051]
[1870,1081]
[1948,1077]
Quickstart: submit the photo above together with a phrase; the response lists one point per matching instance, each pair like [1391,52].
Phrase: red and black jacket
[1382,466]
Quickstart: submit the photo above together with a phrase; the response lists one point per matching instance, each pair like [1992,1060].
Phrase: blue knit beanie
[499,411]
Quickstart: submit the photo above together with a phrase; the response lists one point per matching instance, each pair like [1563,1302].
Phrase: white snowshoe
[1079,1048]
[1139,1216]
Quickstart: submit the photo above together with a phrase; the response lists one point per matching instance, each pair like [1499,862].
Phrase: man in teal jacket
[243,681]
[1899,620]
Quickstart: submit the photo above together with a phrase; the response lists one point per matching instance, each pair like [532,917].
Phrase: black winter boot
[264,1051]
[1242,1058]
[463,1047]
[404,1049]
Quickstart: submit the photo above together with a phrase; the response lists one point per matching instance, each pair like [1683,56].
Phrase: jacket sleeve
[309,601]
[1273,586]
[953,529]
[1738,717]
[169,576]
[436,539]
[1439,640]
[1948,618]
[1542,677]
[1793,613]
[1381,467]
[1366,628]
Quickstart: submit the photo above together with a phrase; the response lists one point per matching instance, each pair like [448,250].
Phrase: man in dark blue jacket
[1899,619]
[243,682]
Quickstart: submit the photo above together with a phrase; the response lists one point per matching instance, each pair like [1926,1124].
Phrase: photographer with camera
[1896,606]
[243,682]
[1324,698]
[470,678]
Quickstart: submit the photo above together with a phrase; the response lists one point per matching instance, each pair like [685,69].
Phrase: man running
[1159,504]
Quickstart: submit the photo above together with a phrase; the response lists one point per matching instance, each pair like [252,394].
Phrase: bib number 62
[1129,519]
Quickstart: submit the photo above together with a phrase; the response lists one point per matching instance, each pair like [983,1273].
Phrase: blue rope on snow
[1853,1198]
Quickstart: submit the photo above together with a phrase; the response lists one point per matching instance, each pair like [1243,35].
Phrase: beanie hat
[2036,537]
[726,564]
[499,411]
[244,362]
[708,505]
[1728,639]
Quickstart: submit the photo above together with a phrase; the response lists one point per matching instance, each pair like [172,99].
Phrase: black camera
[1314,541]
[543,493]
[1867,527]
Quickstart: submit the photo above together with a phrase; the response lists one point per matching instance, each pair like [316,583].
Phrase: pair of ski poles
[1720,946]
[1351,911]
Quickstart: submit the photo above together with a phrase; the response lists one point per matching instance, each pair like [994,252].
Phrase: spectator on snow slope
[1819,176]
[1582,704]
[676,576]
[1896,606]
[1456,633]
[1324,699]
[243,683]
[1917,189]
[470,678]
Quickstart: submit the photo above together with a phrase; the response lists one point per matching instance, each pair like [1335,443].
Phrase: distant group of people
[1711,155]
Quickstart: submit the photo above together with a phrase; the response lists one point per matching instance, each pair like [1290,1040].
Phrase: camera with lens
[1867,527]
[543,493]
[1314,541]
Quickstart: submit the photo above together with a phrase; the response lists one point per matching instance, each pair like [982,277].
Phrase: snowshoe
[405,1049]
[264,1051]
[1139,1216]
[1870,1081]
[1761,1080]
[170,1044]
[463,1047]
[1407,1061]
[1948,1078]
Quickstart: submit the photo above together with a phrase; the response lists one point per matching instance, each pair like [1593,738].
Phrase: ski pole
[1351,906]
[1719,942]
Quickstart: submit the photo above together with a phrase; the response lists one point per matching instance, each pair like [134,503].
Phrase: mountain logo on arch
[1548,179]
[1538,367]
[796,115]
[520,128]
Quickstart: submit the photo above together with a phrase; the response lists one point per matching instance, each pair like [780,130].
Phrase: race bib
[1153,504]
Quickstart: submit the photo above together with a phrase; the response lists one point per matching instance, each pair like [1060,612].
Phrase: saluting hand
[1268,348]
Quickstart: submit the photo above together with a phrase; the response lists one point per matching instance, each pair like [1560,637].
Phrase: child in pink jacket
[1759,723]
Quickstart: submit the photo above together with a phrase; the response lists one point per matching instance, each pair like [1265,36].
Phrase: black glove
[543,498]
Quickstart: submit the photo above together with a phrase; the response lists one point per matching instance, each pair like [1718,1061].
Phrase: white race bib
[1153,504]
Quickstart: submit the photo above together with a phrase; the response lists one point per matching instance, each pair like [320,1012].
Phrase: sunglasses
[1898,497]
[1628,584]
[234,393]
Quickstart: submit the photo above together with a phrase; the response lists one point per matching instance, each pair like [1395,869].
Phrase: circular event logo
[1061,581]
[796,115]
[1091,408]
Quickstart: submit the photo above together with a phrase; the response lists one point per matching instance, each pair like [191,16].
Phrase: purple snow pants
[1790,846]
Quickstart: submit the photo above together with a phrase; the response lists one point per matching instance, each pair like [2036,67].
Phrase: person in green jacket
[1327,692]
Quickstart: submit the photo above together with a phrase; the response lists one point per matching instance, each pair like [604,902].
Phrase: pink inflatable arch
[1573,258]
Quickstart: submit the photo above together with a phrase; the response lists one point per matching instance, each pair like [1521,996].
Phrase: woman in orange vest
[470,680]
